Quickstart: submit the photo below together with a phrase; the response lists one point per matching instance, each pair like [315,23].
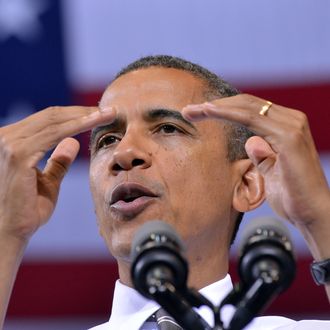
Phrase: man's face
[152,164]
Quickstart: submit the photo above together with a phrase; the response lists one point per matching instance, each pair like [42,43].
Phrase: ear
[249,192]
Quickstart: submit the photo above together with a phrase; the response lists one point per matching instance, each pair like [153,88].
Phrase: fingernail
[193,106]
[209,105]
[106,109]
[93,114]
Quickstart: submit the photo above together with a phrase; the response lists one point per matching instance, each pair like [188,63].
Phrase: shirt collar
[130,306]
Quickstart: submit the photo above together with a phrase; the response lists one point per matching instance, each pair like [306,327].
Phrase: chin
[120,238]
[119,244]
[122,254]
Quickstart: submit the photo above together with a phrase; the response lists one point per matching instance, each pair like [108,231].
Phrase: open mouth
[129,199]
[133,196]
[128,192]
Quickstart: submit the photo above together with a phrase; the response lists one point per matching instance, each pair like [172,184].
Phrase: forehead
[154,87]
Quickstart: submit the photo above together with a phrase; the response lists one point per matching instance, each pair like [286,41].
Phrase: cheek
[93,179]
[199,183]
[198,171]
[96,182]
[97,187]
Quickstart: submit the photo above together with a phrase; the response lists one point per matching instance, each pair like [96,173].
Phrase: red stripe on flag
[63,289]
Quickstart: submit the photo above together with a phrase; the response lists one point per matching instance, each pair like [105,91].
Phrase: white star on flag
[20,19]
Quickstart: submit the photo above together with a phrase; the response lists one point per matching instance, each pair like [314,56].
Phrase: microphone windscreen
[149,231]
[259,227]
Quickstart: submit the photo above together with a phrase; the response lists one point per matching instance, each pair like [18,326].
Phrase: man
[165,148]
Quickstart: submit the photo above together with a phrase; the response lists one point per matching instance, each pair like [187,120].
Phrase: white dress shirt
[130,310]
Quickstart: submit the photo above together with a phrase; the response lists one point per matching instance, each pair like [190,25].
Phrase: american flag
[56,52]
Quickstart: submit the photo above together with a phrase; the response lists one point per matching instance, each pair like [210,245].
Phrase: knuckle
[10,151]
[249,98]
[299,120]
[302,121]
[4,143]
[3,139]
[295,135]
[53,109]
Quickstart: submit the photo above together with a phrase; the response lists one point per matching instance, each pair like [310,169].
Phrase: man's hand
[28,195]
[285,155]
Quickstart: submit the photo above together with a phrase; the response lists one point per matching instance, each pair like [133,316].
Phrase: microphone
[159,272]
[266,267]
[266,246]
[156,254]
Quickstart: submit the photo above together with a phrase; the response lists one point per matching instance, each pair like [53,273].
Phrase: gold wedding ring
[265,108]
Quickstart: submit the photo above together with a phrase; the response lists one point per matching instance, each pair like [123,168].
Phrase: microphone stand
[247,300]
[177,304]
[250,300]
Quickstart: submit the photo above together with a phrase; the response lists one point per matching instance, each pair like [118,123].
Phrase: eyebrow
[155,114]
[117,124]
[150,116]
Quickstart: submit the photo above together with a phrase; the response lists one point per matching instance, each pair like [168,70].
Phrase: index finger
[245,110]
[40,132]
[57,115]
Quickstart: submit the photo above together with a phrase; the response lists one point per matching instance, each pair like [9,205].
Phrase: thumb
[260,153]
[61,159]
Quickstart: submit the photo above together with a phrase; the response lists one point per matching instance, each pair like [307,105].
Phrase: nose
[131,152]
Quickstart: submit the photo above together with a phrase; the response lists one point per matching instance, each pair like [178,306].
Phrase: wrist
[12,245]
[316,232]
[11,253]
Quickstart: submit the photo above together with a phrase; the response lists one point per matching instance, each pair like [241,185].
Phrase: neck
[206,267]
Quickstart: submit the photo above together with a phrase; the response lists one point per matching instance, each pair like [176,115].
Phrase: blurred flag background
[56,52]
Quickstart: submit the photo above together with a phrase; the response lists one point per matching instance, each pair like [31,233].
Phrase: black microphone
[266,267]
[266,245]
[156,254]
[159,272]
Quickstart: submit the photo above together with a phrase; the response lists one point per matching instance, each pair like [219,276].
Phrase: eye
[107,140]
[168,129]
